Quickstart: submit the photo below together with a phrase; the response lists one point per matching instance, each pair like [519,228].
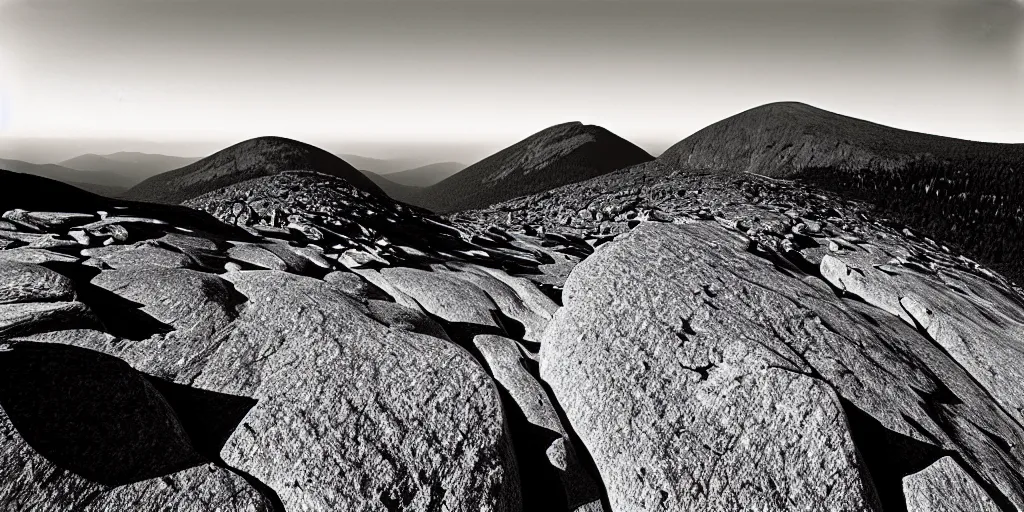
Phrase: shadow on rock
[96,416]
[208,417]
[888,456]
[121,317]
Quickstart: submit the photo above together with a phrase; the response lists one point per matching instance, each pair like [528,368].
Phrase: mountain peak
[786,138]
[557,155]
[569,128]
[790,105]
[568,124]
[253,158]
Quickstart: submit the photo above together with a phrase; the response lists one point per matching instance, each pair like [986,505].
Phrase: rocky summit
[246,160]
[653,338]
[968,193]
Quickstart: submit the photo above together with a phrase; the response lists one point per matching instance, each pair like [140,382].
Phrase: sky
[459,79]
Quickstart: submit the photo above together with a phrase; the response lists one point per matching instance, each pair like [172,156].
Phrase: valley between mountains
[789,310]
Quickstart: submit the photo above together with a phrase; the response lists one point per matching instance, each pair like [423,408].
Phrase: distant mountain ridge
[98,182]
[405,184]
[134,165]
[381,166]
[254,158]
[555,156]
[426,175]
[783,139]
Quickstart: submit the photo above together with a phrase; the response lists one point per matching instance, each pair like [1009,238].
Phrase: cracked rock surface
[715,378]
[649,339]
[286,389]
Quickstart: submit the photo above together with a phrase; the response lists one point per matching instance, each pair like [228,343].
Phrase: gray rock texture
[32,255]
[257,256]
[23,282]
[945,487]
[145,254]
[646,340]
[341,398]
[711,378]
[978,325]
[398,316]
[578,490]
[450,299]
[532,313]
[34,317]
[354,286]
[83,431]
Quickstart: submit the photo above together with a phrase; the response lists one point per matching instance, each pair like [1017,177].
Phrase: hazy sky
[467,77]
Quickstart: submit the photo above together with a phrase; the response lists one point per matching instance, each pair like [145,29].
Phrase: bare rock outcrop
[80,430]
[945,487]
[286,391]
[21,282]
[720,343]
[713,377]
[341,397]
[544,433]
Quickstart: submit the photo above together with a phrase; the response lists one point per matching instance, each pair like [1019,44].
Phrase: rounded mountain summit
[254,158]
[786,139]
[556,156]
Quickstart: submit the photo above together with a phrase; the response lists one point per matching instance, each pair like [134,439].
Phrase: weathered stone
[180,298]
[979,323]
[294,262]
[33,317]
[116,232]
[24,282]
[198,489]
[183,242]
[709,378]
[402,317]
[257,256]
[51,241]
[20,217]
[357,258]
[702,372]
[945,487]
[85,338]
[373,277]
[354,286]
[532,297]
[144,255]
[22,237]
[204,253]
[95,263]
[182,312]
[341,397]
[448,298]
[30,255]
[107,250]
[856,281]
[83,431]
[507,364]
[53,220]
[510,303]
[312,254]
[108,221]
